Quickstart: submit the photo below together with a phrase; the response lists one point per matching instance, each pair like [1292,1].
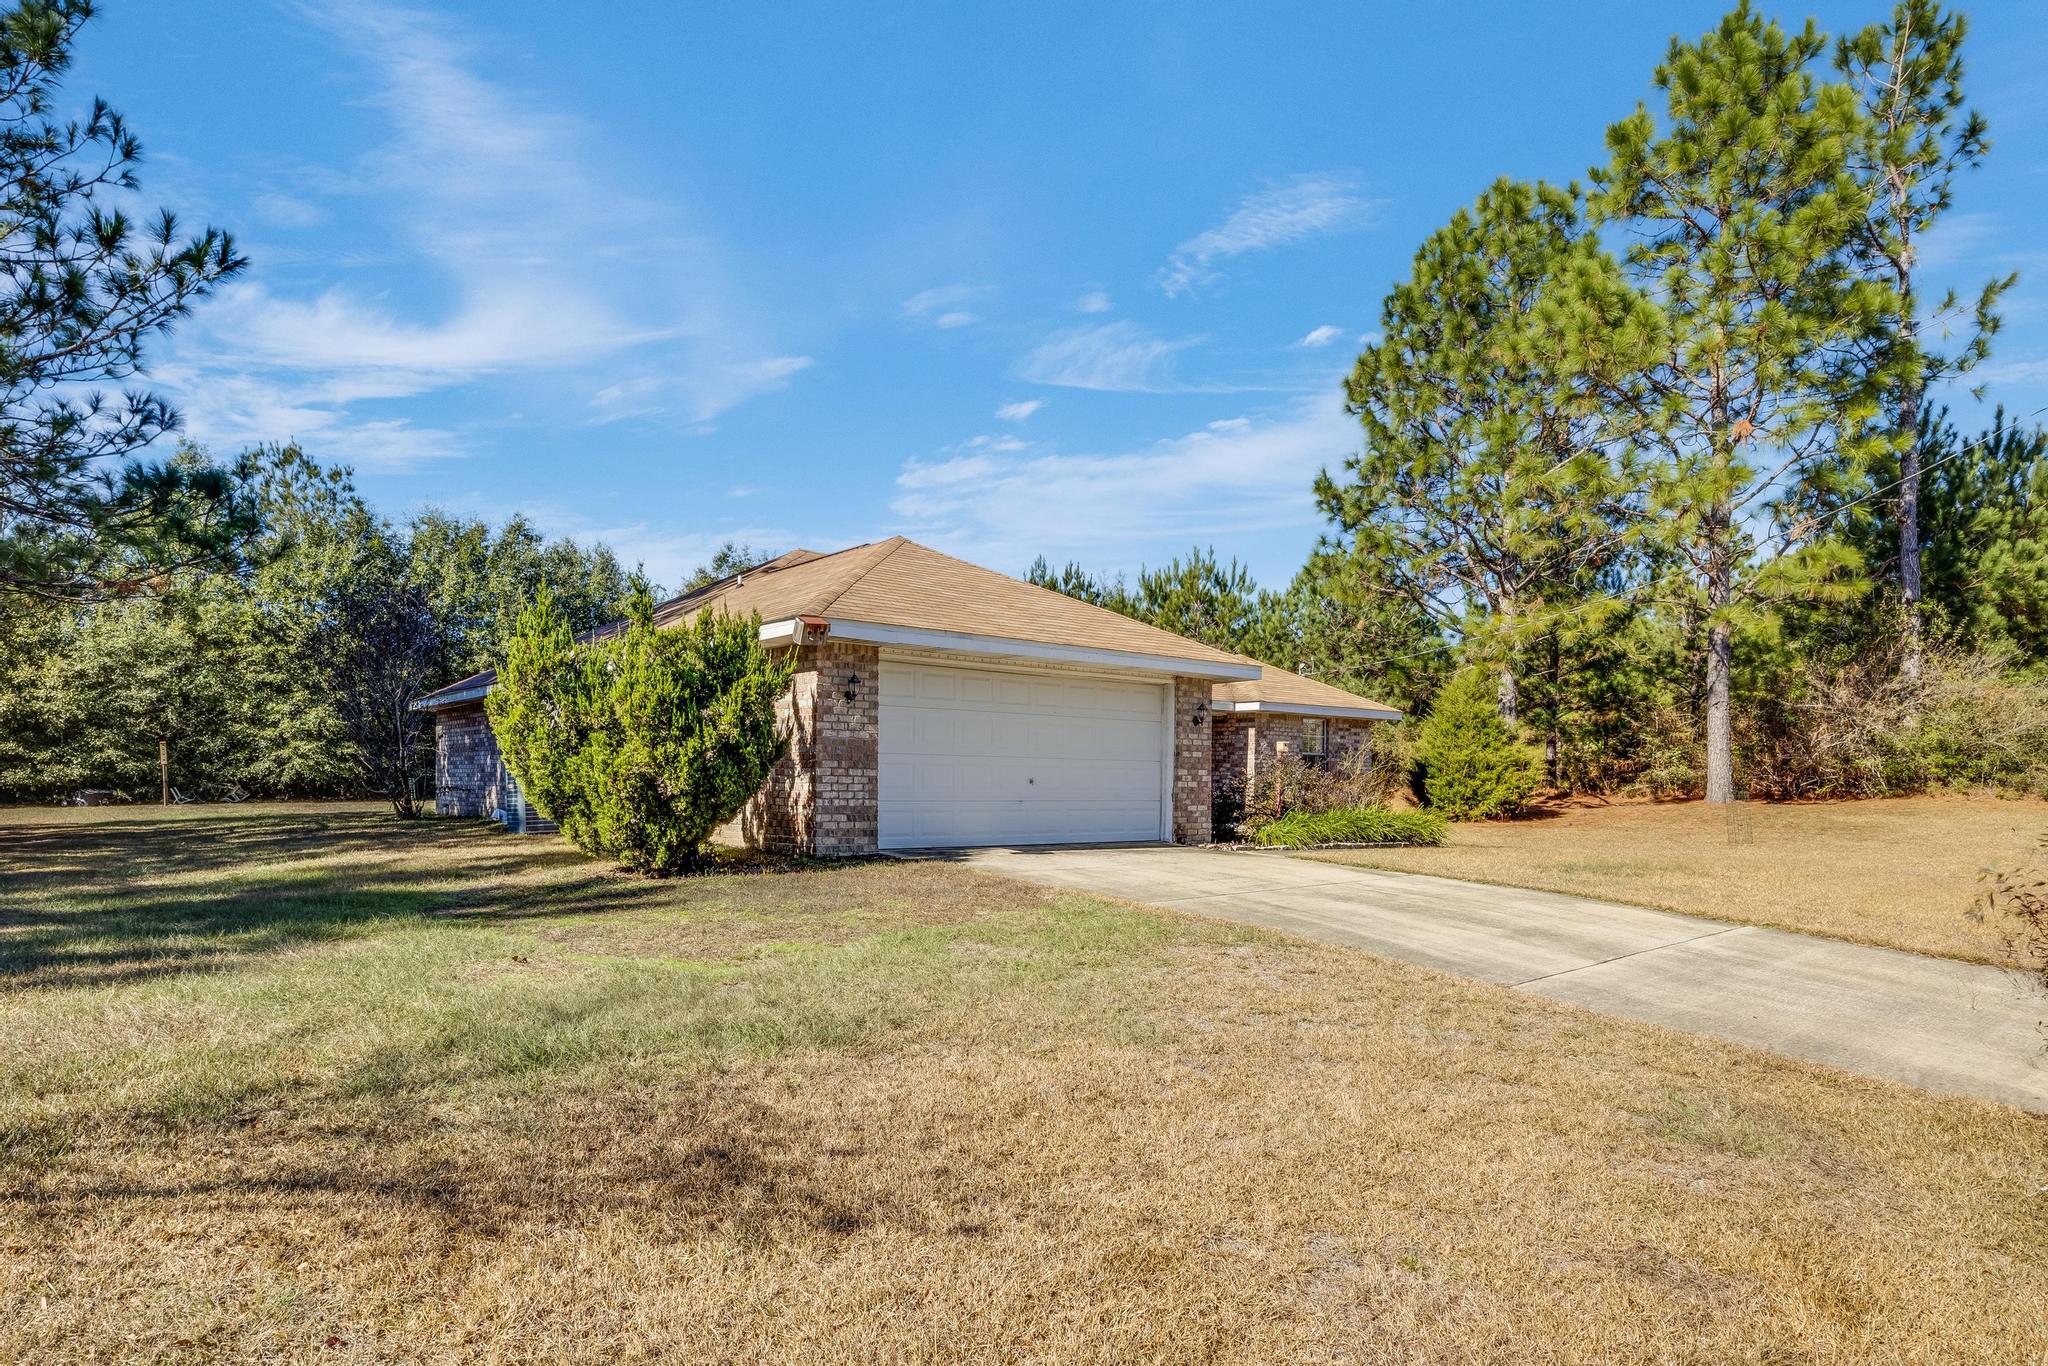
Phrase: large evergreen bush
[1473,766]
[642,744]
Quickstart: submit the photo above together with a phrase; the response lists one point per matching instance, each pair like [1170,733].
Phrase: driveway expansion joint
[1638,953]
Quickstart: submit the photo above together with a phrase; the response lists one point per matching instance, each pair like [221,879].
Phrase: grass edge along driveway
[1899,873]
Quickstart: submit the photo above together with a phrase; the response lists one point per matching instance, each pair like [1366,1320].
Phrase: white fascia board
[450,699]
[1303,709]
[959,642]
[788,631]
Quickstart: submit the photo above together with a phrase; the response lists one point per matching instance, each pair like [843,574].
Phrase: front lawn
[1900,872]
[308,1083]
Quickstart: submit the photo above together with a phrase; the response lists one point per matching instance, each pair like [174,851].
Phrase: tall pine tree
[1483,485]
[1908,74]
[1740,207]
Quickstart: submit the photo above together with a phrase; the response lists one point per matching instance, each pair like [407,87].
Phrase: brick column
[848,757]
[1191,762]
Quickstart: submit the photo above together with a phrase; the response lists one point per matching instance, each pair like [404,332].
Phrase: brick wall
[1192,789]
[1243,744]
[470,778]
[847,751]
[1227,747]
[821,797]
[467,769]
[1348,737]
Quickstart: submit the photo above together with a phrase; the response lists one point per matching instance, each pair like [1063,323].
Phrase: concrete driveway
[1936,1023]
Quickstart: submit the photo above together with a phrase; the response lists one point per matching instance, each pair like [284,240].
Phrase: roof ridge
[874,561]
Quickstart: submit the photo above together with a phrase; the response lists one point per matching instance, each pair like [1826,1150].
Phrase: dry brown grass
[1899,872]
[435,1093]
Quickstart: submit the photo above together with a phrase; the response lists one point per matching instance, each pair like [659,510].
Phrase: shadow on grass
[108,902]
[697,1157]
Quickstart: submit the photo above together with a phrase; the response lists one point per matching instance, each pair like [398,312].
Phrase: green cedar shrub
[1352,825]
[1473,766]
[640,744]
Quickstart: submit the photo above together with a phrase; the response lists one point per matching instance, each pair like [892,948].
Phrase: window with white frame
[1314,739]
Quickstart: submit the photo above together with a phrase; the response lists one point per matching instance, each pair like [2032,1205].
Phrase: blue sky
[1071,278]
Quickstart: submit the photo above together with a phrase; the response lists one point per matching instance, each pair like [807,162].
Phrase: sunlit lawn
[309,1083]
[1902,872]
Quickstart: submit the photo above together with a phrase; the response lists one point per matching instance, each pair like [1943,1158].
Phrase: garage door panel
[1019,780]
[945,731]
[956,823]
[983,756]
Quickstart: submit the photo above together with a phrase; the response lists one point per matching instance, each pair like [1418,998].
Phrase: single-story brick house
[937,703]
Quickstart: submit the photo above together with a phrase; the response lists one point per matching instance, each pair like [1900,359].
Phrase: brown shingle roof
[900,583]
[1278,689]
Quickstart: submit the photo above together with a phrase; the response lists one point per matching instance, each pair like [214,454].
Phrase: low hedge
[1353,825]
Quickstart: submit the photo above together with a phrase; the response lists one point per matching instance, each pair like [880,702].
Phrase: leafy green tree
[545,704]
[1982,511]
[1076,582]
[1747,328]
[478,579]
[731,558]
[641,745]
[107,685]
[1339,621]
[1473,767]
[1200,598]
[1908,73]
[1483,487]
[314,527]
[82,517]
[377,648]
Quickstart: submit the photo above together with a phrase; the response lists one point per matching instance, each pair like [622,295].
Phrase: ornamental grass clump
[639,745]
[1352,825]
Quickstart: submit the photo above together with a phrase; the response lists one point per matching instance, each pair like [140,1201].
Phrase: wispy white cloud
[1305,207]
[2013,373]
[1118,356]
[1240,475]
[699,396]
[1094,301]
[1000,444]
[284,210]
[1320,336]
[242,410]
[537,263]
[1018,411]
[943,306]
[668,556]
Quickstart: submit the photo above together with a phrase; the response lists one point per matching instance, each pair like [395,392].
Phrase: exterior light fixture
[1201,714]
[852,686]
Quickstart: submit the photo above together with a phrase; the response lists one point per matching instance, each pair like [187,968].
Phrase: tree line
[1662,454]
[291,669]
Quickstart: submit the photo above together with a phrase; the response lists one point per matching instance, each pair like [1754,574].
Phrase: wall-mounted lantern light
[852,686]
[1201,714]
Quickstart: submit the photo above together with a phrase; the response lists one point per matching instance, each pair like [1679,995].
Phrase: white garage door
[983,756]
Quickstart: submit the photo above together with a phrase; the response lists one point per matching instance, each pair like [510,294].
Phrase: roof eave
[1010,647]
[1366,712]
[435,701]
